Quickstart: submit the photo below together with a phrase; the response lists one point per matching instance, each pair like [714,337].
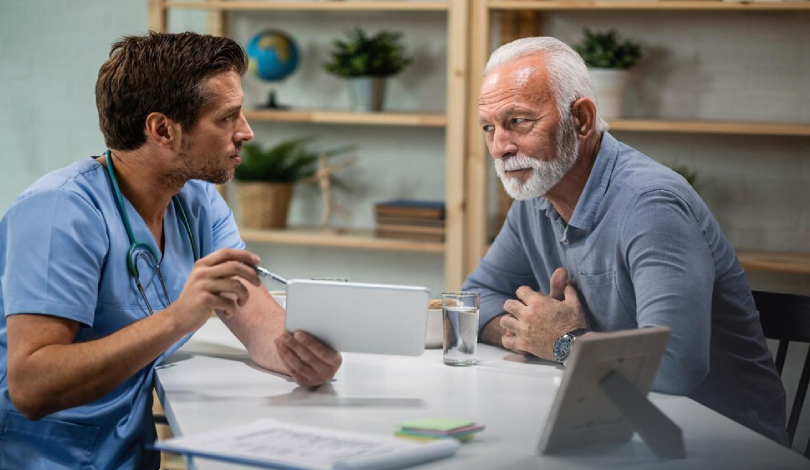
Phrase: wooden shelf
[346,117]
[308,5]
[767,261]
[646,5]
[712,127]
[774,262]
[440,120]
[363,239]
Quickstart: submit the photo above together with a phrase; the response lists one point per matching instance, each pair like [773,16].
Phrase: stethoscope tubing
[137,248]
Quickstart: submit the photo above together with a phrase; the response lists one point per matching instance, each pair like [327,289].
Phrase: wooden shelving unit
[440,120]
[345,117]
[468,27]
[711,127]
[454,125]
[360,239]
[774,262]
[666,5]
[519,18]
[308,5]
[770,261]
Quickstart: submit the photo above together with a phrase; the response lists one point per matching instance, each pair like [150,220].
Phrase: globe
[272,55]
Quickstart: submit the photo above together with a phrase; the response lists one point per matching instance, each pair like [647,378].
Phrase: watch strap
[578,332]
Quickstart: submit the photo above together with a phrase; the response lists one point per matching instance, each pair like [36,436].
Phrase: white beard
[545,174]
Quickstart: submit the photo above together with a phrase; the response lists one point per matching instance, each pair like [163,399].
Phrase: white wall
[50,53]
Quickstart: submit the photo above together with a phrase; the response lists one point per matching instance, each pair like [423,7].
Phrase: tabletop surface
[210,384]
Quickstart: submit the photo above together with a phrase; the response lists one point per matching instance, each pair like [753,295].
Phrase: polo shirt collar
[587,207]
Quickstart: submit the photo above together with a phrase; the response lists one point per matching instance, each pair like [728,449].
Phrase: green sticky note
[437,424]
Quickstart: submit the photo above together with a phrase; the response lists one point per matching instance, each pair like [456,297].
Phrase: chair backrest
[786,317]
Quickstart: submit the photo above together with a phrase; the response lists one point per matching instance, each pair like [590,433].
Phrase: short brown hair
[159,72]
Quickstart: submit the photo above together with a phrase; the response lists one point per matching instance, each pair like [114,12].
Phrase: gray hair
[567,72]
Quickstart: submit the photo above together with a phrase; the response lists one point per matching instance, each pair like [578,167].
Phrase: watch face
[561,348]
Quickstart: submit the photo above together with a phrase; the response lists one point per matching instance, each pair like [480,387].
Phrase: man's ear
[583,111]
[161,130]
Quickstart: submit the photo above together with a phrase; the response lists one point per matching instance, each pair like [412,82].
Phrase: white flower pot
[611,87]
[367,93]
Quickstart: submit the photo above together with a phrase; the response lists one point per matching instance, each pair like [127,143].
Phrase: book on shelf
[422,237]
[410,208]
[411,221]
[417,229]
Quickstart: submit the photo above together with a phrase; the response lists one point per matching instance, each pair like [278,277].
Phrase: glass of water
[460,316]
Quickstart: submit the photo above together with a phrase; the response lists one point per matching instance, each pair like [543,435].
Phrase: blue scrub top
[63,253]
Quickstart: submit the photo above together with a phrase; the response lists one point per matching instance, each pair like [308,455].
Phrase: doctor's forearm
[257,324]
[47,372]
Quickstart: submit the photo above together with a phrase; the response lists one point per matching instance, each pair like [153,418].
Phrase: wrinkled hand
[213,284]
[308,360]
[536,320]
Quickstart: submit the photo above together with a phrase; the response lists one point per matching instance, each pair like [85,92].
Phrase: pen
[265,273]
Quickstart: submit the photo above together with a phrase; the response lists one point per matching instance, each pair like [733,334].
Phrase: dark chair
[786,317]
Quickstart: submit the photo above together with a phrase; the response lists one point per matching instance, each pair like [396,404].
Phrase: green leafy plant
[285,162]
[605,50]
[689,174]
[362,55]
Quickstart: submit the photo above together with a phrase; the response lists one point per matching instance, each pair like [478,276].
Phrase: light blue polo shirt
[63,253]
[644,250]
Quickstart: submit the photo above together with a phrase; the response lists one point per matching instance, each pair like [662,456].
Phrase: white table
[210,384]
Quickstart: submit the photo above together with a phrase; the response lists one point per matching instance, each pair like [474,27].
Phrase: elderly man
[602,238]
[109,265]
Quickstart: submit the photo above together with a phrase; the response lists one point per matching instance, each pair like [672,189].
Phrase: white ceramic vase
[611,87]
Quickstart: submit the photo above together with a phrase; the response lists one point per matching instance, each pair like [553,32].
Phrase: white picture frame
[602,397]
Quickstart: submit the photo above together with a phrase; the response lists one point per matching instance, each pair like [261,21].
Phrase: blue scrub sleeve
[673,273]
[226,233]
[503,269]
[55,247]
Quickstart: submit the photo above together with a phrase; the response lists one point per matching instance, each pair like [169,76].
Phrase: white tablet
[356,317]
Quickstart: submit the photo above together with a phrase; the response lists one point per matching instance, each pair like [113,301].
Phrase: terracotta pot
[264,205]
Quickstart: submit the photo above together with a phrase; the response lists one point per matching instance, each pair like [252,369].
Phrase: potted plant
[366,61]
[265,180]
[689,174]
[609,62]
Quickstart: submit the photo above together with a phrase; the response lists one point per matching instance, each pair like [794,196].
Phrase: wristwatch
[562,347]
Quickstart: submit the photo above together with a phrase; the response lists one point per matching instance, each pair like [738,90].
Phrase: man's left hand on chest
[537,320]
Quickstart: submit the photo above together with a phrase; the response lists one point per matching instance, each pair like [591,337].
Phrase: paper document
[271,443]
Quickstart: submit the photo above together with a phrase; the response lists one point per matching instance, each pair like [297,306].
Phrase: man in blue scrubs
[79,341]
[602,238]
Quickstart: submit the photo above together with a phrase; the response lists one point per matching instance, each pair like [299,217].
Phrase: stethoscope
[136,248]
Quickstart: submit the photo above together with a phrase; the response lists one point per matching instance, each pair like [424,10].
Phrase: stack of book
[428,429]
[407,218]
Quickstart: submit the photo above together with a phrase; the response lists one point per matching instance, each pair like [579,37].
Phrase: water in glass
[460,335]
